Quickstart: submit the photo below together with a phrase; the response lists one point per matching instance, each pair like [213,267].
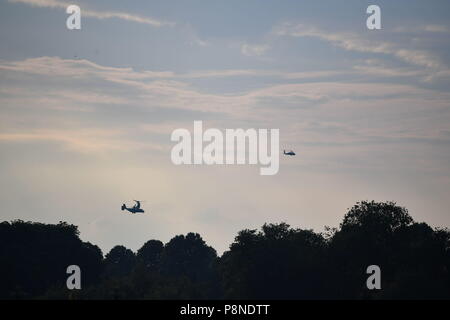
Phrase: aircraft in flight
[289,153]
[135,209]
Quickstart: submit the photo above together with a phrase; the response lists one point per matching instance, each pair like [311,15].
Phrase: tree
[189,257]
[35,257]
[412,256]
[277,263]
[150,254]
[119,262]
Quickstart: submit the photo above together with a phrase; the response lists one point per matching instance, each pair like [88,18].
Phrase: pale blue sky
[86,116]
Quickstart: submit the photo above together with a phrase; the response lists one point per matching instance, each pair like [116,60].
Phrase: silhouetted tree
[150,254]
[119,262]
[189,257]
[34,257]
[277,262]
[411,256]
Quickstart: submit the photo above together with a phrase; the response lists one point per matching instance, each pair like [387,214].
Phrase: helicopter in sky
[289,153]
[135,209]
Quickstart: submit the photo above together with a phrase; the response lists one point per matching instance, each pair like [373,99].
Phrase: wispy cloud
[131,94]
[374,67]
[355,42]
[54,4]
[82,140]
[174,90]
[254,50]
[436,28]
[432,28]
[56,66]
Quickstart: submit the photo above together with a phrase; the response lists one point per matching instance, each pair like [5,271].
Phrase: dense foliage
[277,262]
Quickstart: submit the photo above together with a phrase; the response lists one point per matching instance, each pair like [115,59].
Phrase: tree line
[276,262]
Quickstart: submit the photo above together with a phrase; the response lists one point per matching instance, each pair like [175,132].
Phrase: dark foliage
[34,258]
[278,262]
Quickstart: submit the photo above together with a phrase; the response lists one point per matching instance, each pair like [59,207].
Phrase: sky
[86,115]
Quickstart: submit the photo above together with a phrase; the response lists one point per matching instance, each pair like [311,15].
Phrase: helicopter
[289,153]
[135,209]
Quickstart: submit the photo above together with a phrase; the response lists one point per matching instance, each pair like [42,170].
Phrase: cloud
[375,67]
[437,28]
[355,42]
[165,89]
[430,28]
[144,104]
[81,140]
[56,66]
[253,50]
[54,4]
